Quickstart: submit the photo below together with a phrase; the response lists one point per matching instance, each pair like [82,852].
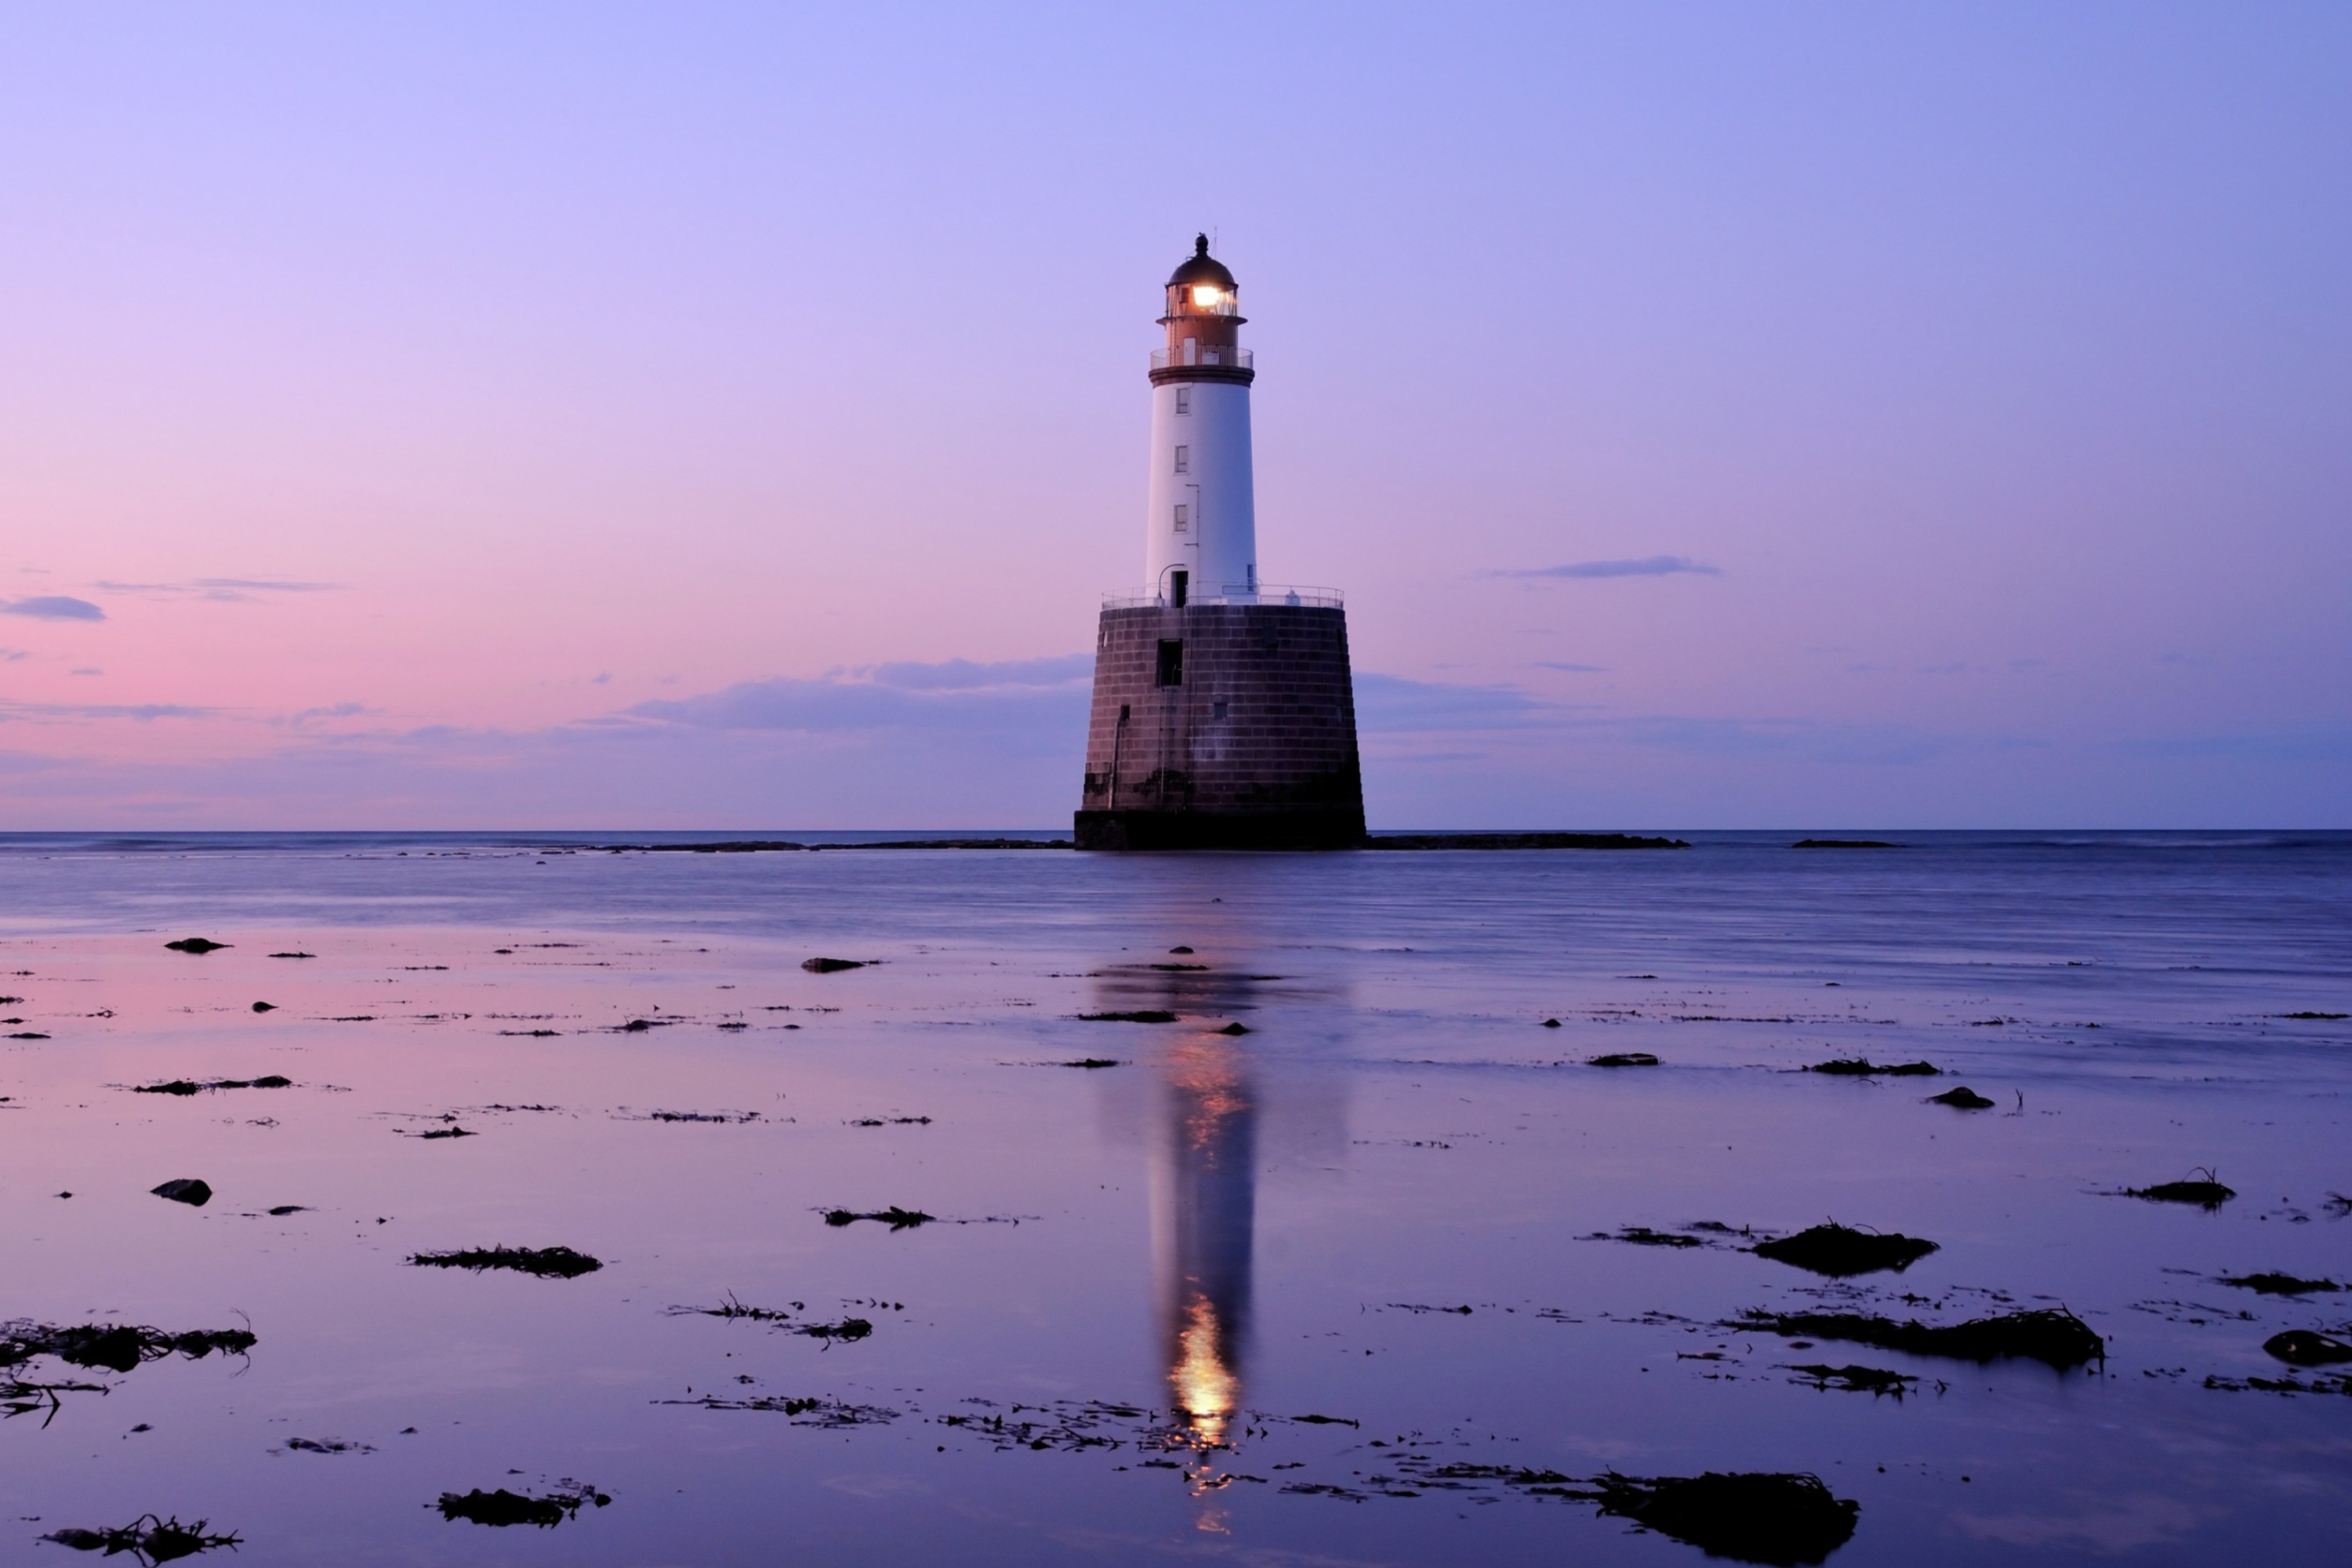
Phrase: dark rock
[2281,1284]
[503,1507]
[1520,841]
[1782,1520]
[1961,1098]
[1843,843]
[1862,1067]
[894,1216]
[1551,1023]
[195,944]
[2052,1336]
[1624,1060]
[547,1262]
[1144,1016]
[1643,1236]
[189,1190]
[264,1006]
[831,965]
[1091,1063]
[2306,1347]
[1840,1251]
[2207,1191]
[1234,1029]
[147,1538]
[1180,949]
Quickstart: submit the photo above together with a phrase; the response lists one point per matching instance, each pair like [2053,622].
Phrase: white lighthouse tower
[1201,538]
[1224,713]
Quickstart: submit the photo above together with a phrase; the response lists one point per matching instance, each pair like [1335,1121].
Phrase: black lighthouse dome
[1202,286]
[1200,268]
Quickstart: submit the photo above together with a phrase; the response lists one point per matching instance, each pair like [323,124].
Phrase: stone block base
[1339,829]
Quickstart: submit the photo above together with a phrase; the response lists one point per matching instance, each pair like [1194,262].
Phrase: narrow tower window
[1184,459]
[1184,400]
[1171,662]
[1183,518]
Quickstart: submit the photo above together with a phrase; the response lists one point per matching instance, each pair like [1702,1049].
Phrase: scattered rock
[2316,1015]
[147,1538]
[1233,1029]
[1863,1066]
[1180,949]
[284,1209]
[293,955]
[195,944]
[2280,1283]
[1145,1015]
[1623,1060]
[1961,1098]
[1843,843]
[548,1262]
[894,1216]
[264,1006]
[1090,1063]
[2306,1347]
[1840,1251]
[452,1130]
[327,1445]
[1749,1518]
[503,1507]
[831,965]
[803,1410]
[2053,1335]
[2207,1193]
[190,1190]
[1551,1023]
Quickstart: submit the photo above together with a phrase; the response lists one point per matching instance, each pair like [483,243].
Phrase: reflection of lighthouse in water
[1204,1211]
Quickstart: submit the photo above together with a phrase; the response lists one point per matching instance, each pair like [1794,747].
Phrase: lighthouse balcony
[1233,594]
[1192,354]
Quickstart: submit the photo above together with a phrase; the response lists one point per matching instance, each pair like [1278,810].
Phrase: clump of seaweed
[1840,1251]
[2307,1347]
[1751,1517]
[1141,1015]
[503,1507]
[2275,1284]
[1643,1236]
[183,1086]
[1091,1064]
[2204,1190]
[806,1410]
[1871,1380]
[832,965]
[547,1262]
[2052,1335]
[1623,1060]
[1961,1098]
[894,1216]
[1863,1066]
[148,1537]
[118,1347]
[327,1445]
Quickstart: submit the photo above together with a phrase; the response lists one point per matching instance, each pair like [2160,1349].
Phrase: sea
[581,1198]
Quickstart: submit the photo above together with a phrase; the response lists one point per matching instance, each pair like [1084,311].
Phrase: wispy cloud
[964,675]
[222,590]
[53,712]
[54,607]
[1392,703]
[1572,669]
[1647,566]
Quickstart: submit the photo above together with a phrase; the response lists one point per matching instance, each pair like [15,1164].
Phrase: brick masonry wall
[1264,719]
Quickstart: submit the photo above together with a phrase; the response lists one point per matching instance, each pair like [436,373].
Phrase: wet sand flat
[858,1266]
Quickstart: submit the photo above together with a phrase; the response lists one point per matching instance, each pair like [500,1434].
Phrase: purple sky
[717,416]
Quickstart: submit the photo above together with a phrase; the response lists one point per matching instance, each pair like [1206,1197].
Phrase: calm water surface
[1386,1206]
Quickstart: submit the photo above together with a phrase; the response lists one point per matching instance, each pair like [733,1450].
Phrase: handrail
[1202,353]
[1289,596]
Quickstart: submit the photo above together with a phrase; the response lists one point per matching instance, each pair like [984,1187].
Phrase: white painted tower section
[1202,518]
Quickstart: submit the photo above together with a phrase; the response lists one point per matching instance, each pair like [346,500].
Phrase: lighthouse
[1225,714]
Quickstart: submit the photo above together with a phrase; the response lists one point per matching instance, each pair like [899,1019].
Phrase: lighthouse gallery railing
[1233,593]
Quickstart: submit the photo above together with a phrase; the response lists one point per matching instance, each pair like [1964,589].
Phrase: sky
[713,415]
